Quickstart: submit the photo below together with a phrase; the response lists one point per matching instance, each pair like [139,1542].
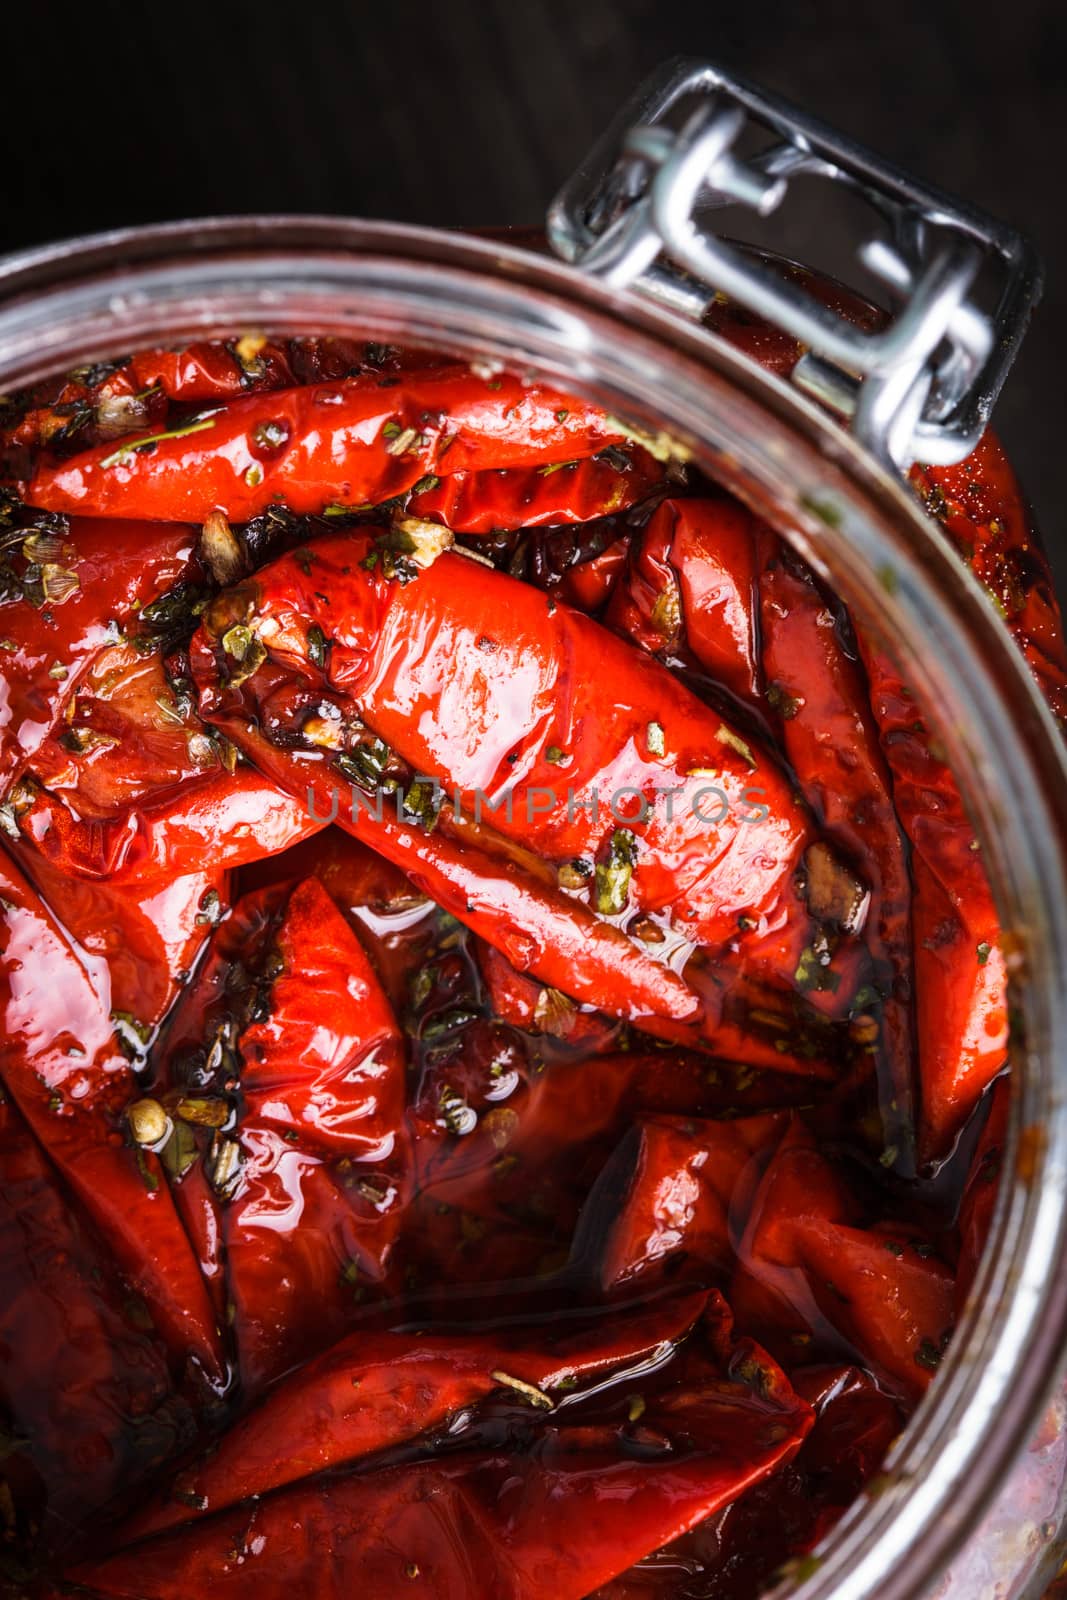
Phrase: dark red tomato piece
[129,735]
[374,1391]
[589,584]
[132,785]
[142,939]
[808,1272]
[61,1064]
[215,823]
[981,505]
[503,1196]
[577,1505]
[304,1236]
[983,1185]
[817,692]
[520,1000]
[355,878]
[571,491]
[353,443]
[77,587]
[739,1551]
[197,1203]
[769,1292]
[675,1213]
[393,921]
[391,1527]
[961,998]
[212,370]
[286,1062]
[885,1292]
[692,577]
[84,1387]
[327,1062]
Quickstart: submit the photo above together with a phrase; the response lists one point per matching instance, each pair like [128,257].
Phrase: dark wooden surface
[472,111]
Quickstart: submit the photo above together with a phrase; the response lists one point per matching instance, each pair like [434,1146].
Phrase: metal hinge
[637,211]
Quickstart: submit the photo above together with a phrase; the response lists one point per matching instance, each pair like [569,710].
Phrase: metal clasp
[638,210]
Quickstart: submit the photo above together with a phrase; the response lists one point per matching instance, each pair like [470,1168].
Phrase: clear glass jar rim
[87,299]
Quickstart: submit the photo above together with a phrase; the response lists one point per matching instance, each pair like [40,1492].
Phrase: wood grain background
[472,111]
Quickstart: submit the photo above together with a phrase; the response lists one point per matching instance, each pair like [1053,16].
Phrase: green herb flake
[984,952]
[148,1177]
[813,975]
[365,764]
[780,700]
[400,441]
[666,615]
[180,1151]
[612,885]
[203,1112]
[573,874]
[236,641]
[316,646]
[209,910]
[528,1391]
[137,1030]
[270,435]
[733,741]
[124,451]
[422,802]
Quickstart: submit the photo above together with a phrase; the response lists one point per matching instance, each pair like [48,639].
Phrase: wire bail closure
[638,211]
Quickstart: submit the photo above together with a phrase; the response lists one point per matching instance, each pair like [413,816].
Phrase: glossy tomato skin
[102,576]
[91,1404]
[63,1067]
[497,1150]
[245,454]
[555,1520]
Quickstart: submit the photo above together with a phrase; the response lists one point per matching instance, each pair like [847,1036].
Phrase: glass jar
[970,1499]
